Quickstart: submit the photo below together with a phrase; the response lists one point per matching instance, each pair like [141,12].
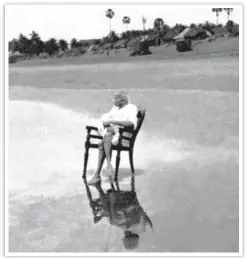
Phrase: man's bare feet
[110,170]
[95,179]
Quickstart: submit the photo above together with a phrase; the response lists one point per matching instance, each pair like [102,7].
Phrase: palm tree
[158,24]
[126,20]
[217,11]
[110,15]
[228,11]
[144,20]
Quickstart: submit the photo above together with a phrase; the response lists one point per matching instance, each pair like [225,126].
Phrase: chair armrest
[88,127]
[96,137]
[91,136]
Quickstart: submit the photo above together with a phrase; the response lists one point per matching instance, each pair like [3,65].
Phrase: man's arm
[130,118]
[117,122]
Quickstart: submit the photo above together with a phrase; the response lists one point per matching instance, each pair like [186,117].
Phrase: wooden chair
[121,146]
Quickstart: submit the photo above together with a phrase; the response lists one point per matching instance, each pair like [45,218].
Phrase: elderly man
[123,114]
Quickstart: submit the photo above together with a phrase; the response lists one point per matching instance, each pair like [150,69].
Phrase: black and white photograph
[123,129]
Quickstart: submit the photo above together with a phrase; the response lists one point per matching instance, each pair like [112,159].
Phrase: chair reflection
[122,209]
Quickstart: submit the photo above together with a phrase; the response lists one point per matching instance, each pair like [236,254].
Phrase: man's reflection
[122,209]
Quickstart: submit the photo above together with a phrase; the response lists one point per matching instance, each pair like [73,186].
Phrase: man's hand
[107,122]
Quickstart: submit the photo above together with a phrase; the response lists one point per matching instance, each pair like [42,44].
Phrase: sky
[83,21]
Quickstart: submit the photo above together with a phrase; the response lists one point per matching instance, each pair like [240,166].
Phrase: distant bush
[97,42]
[43,55]
[13,59]
[76,51]
[232,28]
[60,54]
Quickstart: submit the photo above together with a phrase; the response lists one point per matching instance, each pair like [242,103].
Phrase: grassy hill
[219,47]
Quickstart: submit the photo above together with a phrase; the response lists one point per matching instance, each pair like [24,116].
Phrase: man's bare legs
[101,155]
[104,149]
[107,144]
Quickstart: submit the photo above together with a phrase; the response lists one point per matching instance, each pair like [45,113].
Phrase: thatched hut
[183,45]
[194,33]
[184,39]
[138,47]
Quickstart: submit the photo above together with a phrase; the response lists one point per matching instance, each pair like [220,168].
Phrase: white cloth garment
[126,113]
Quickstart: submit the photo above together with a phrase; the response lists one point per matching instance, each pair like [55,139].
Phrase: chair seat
[125,144]
[124,147]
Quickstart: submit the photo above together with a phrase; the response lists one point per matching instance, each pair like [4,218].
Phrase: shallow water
[45,167]
[46,142]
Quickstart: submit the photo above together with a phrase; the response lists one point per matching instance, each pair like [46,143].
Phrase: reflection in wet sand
[122,209]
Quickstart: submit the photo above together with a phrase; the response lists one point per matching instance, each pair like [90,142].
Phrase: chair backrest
[140,115]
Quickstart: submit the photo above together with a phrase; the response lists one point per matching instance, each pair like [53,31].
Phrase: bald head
[121,98]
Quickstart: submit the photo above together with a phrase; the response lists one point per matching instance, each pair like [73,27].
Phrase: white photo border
[4,142]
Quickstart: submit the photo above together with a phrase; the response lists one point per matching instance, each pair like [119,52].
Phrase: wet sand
[186,156]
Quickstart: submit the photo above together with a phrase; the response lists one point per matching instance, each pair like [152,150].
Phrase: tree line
[34,45]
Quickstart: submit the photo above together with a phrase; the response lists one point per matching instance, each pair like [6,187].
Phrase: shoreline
[77,61]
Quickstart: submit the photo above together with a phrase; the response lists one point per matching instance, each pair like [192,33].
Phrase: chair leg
[131,160]
[85,162]
[88,192]
[117,185]
[133,183]
[117,165]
